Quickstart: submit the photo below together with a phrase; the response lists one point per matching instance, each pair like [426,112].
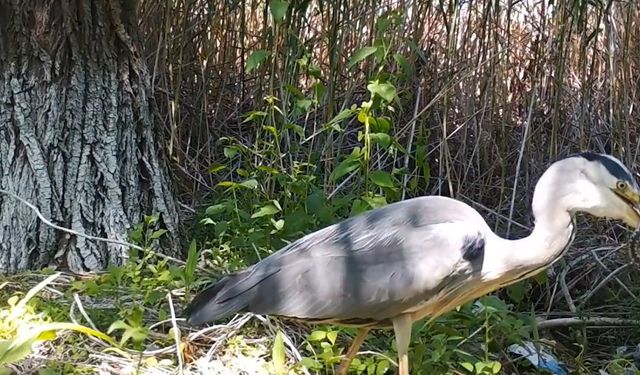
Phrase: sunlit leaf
[249,184]
[317,336]
[230,152]
[382,367]
[332,336]
[385,90]
[467,366]
[266,210]
[277,354]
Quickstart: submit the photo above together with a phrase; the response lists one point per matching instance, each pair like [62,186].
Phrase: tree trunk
[77,136]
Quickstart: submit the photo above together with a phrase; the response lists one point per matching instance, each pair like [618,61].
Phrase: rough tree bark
[77,135]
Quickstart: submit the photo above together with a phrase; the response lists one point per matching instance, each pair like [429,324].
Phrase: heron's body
[413,259]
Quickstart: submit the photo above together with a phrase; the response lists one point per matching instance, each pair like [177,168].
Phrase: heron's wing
[368,268]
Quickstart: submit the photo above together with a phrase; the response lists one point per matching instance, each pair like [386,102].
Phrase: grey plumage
[361,271]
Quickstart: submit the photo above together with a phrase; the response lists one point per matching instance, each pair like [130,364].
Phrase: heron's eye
[621,185]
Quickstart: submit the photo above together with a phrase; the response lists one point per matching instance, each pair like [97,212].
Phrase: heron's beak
[636,206]
[632,197]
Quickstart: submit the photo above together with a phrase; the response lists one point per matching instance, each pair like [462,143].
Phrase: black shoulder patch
[614,168]
[473,248]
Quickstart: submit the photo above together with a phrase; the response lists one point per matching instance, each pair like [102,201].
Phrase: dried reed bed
[487,70]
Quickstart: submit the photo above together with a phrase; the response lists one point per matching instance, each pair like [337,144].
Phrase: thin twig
[525,137]
[176,333]
[591,292]
[594,321]
[84,314]
[67,230]
[623,285]
[410,143]
[71,231]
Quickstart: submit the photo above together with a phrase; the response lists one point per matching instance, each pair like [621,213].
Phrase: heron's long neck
[552,233]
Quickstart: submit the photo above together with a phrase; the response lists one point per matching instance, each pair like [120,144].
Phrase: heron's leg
[353,350]
[402,328]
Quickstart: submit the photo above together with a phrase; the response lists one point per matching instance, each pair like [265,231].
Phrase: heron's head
[598,184]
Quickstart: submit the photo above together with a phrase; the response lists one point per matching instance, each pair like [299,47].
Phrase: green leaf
[318,91]
[215,209]
[404,64]
[467,366]
[227,184]
[278,224]
[375,201]
[304,104]
[516,291]
[359,206]
[230,152]
[118,324]
[278,10]
[220,228]
[496,367]
[381,125]
[348,165]
[19,347]
[192,260]
[294,90]
[158,233]
[540,278]
[277,354]
[385,90]
[382,367]
[382,139]
[317,336]
[254,115]
[382,179]
[361,54]
[136,334]
[256,58]
[332,336]
[12,351]
[343,115]
[216,167]
[19,308]
[310,363]
[299,130]
[266,210]
[249,184]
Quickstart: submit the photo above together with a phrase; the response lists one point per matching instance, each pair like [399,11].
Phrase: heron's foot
[353,350]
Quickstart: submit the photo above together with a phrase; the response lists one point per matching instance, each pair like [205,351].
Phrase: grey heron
[418,258]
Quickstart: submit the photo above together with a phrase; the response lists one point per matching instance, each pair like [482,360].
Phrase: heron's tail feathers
[230,295]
